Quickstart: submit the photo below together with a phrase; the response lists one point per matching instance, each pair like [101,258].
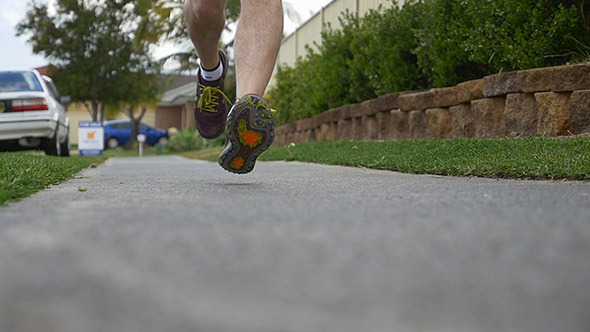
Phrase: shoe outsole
[249,132]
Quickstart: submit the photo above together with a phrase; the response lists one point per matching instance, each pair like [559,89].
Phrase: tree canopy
[97,48]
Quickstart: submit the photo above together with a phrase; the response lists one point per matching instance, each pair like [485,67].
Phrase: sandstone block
[416,101]
[579,111]
[341,112]
[289,128]
[462,121]
[570,78]
[323,117]
[385,125]
[297,137]
[445,97]
[280,130]
[553,113]
[330,131]
[322,132]
[520,114]
[489,114]
[290,138]
[500,84]
[388,102]
[300,136]
[316,121]
[418,125]
[357,129]
[306,136]
[470,90]
[318,134]
[369,107]
[355,110]
[344,130]
[370,128]
[303,124]
[439,123]
[534,80]
[401,124]
[330,115]
[279,139]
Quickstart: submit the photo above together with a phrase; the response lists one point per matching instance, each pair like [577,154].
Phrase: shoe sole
[249,132]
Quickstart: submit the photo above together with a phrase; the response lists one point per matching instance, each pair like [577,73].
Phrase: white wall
[293,46]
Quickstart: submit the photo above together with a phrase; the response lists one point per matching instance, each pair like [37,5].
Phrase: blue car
[117,133]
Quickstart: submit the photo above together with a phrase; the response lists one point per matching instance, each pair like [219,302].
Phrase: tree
[140,92]
[94,46]
[168,16]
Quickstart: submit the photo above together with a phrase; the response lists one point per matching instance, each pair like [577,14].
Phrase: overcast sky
[15,53]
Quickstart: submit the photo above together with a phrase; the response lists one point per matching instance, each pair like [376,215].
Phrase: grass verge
[24,173]
[210,154]
[120,152]
[516,158]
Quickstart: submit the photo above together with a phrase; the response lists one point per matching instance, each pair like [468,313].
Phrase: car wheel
[112,143]
[65,146]
[52,146]
[162,141]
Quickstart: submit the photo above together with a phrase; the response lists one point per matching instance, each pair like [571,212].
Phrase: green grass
[120,152]
[24,173]
[210,154]
[528,158]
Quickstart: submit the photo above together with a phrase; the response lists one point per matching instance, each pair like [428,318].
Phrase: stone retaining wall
[552,101]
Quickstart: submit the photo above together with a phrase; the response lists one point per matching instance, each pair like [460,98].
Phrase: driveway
[169,244]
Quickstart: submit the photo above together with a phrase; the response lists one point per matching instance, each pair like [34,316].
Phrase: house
[174,111]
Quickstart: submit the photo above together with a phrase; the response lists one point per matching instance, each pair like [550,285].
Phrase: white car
[31,114]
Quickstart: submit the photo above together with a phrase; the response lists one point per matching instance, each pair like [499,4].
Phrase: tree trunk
[134,128]
[134,122]
[94,113]
[103,106]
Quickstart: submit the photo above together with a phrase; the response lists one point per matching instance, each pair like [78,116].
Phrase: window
[122,125]
[51,86]
[14,81]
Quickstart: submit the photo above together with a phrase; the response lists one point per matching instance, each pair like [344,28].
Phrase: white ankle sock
[212,75]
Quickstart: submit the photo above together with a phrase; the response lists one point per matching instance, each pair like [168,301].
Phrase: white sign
[90,138]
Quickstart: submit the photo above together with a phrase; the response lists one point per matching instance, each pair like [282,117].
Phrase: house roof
[46,70]
[175,81]
[178,89]
[180,95]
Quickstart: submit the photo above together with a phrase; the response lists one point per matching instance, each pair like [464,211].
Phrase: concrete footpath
[168,244]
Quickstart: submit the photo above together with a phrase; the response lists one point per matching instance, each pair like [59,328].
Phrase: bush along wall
[550,101]
[430,44]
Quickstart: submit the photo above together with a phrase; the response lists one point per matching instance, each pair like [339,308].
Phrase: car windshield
[19,81]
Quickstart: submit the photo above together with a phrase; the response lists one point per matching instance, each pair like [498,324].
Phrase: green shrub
[429,43]
[468,39]
[441,55]
[350,65]
[290,96]
[383,45]
[188,139]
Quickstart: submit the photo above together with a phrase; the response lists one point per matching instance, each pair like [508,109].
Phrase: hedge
[426,44]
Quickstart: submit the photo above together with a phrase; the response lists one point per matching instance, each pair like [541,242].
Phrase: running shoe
[211,104]
[249,132]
